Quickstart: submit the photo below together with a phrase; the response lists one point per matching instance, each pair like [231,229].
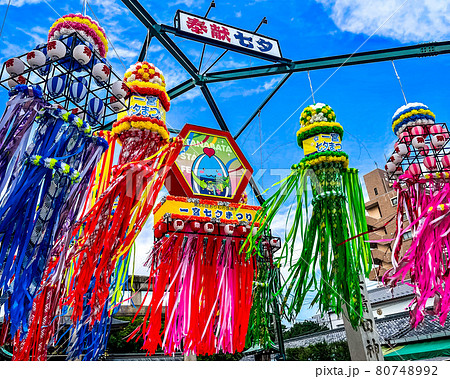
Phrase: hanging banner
[229,37]
[146,106]
[321,143]
[181,208]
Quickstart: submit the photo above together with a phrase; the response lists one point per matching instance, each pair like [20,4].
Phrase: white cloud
[107,10]
[19,3]
[262,88]
[10,50]
[37,33]
[154,48]
[416,21]
[188,3]
[238,14]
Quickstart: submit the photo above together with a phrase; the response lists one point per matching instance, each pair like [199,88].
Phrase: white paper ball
[418,142]
[119,89]
[82,54]
[56,50]
[438,140]
[36,58]
[275,242]
[229,229]
[115,104]
[390,167]
[401,149]
[12,82]
[396,158]
[101,72]
[178,225]
[208,227]
[14,66]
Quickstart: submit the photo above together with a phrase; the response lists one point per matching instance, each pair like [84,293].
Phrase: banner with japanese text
[218,32]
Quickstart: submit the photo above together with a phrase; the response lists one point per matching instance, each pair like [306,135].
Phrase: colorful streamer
[337,214]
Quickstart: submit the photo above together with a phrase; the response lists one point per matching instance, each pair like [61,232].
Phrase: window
[373,245]
[405,217]
[376,191]
[407,235]
[394,201]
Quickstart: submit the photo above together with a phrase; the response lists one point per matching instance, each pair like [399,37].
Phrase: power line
[4,19]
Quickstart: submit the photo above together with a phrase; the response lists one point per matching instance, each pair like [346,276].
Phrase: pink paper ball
[445,160]
[435,129]
[418,131]
[405,137]
[414,169]
[430,163]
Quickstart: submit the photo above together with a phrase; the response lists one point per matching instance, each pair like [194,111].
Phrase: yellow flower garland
[126,125]
[147,85]
[328,159]
[316,124]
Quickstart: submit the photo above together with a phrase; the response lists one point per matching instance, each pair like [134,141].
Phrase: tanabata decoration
[266,297]
[420,168]
[88,29]
[124,201]
[44,185]
[15,128]
[72,70]
[45,318]
[333,240]
[201,284]
[32,204]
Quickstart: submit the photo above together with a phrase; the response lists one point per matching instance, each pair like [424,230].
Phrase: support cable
[399,82]
[310,86]
[4,18]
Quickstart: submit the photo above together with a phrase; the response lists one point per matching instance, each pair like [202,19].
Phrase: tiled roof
[393,329]
[328,336]
[378,295]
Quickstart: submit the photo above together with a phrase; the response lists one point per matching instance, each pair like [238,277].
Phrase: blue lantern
[95,110]
[55,85]
[77,91]
[82,80]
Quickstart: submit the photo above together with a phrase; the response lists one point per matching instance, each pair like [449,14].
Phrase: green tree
[322,351]
[117,342]
[303,328]
[220,357]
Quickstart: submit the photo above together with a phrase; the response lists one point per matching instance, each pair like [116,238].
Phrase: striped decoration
[95,110]
[55,85]
[77,91]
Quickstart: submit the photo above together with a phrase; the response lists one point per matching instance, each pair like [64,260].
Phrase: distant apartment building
[380,208]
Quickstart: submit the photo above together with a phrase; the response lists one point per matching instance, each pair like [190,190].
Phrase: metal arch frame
[285,66]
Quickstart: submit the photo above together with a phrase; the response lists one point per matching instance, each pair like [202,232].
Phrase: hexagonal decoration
[210,166]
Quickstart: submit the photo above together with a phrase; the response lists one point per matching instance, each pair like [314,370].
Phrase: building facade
[380,209]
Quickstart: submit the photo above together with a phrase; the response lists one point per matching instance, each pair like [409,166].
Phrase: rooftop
[393,329]
[378,295]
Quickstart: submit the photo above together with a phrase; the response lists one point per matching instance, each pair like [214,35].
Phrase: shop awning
[419,350]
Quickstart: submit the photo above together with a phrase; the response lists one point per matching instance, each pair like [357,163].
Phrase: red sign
[210,166]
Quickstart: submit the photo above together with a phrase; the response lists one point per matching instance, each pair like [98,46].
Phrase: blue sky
[363,97]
